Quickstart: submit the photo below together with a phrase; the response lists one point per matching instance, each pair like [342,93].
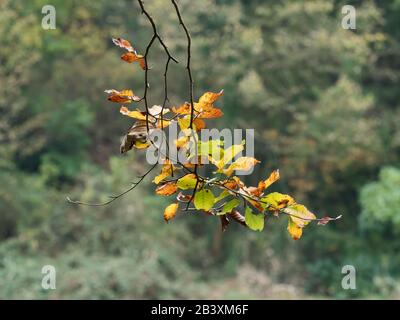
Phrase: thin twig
[115,197]
[189,55]
[155,36]
[191,83]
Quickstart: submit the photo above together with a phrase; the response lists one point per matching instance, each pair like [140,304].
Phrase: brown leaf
[224,222]
[183,197]
[325,220]
[238,217]
[131,57]
[124,96]
[230,184]
[136,137]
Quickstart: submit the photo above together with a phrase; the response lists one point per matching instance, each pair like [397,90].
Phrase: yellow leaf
[277,201]
[294,230]
[209,98]
[133,114]
[170,211]
[166,171]
[243,163]
[204,109]
[141,145]
[299,214]
[181,142]
[163,124]
[184,123]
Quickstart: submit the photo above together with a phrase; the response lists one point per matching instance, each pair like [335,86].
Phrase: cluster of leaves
[184,177]
[223,195]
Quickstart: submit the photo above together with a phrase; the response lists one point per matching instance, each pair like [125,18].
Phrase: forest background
[325,106]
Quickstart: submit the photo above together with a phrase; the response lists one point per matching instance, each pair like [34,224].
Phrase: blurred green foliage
[325,105]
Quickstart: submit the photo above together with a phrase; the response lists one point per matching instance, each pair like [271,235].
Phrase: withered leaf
[124,96]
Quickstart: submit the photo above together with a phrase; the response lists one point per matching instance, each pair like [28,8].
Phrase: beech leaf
[170,211]
[167,189]
[204,200]
[254,221]
[229,206]
[187,182]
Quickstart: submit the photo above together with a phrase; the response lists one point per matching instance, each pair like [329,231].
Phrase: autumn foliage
[223,195]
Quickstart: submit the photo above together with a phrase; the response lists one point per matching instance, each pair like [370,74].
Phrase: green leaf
[277,200]
[254,221]
[229,206]
[204,200]
[222,195]
[187,182]
[300,215]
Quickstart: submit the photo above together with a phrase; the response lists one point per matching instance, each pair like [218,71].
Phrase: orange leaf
[211,113]
[253,191]
[200,124]
[274,176]
[131,57]
[124,96]
[183,109]
[170,211]
[231,184]
[209,98]
[167,189]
